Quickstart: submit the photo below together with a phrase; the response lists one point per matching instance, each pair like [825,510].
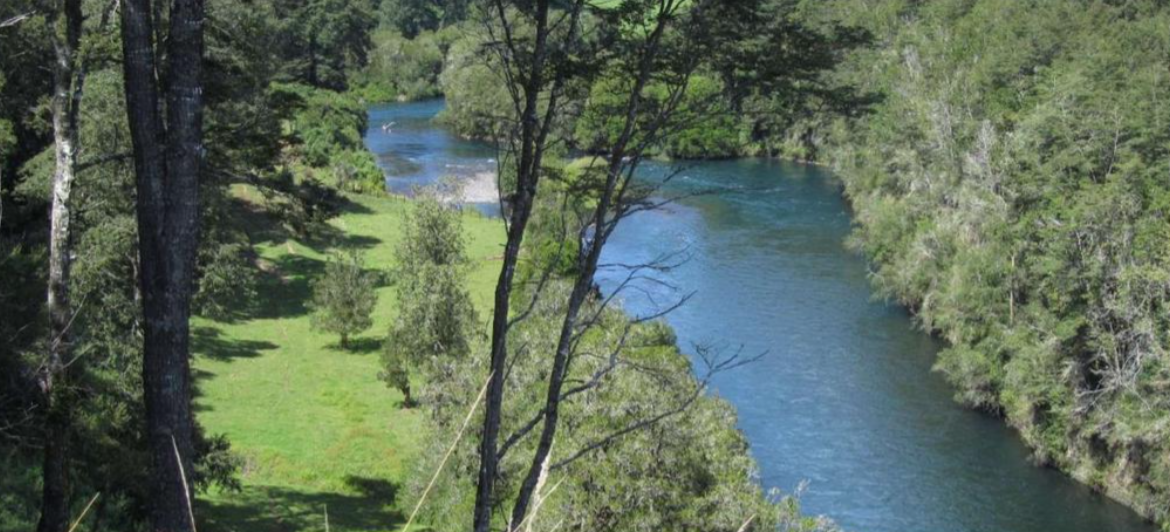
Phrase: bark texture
[66,21]
[167,160]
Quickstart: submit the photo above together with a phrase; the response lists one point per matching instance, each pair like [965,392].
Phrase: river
[844,397]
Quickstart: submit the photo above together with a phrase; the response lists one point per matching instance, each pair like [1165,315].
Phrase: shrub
[344,298]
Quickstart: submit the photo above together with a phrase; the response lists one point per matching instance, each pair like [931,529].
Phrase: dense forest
[176,174]
[175,170]
[1012,189]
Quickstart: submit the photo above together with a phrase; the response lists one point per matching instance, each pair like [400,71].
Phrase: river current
[843,399]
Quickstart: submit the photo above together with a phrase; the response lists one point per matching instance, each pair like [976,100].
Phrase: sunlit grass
[314,424]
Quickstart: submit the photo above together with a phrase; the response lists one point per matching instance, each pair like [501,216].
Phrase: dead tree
[167,160]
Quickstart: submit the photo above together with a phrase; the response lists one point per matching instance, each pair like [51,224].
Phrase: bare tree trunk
[528,175]
[67,21]
[167,164]
[606,215]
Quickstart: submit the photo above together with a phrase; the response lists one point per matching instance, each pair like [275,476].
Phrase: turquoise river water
[844,398]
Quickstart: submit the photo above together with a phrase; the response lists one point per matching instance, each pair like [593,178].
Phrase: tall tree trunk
[167,163]
[67,20]
[528,174]
[605,216]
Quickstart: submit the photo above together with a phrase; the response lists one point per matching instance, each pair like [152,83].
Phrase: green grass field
[315,426]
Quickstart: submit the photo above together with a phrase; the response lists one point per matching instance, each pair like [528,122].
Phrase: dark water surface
[844,398]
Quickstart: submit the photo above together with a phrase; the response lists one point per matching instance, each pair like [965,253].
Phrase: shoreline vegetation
[1005,161]
[952,151]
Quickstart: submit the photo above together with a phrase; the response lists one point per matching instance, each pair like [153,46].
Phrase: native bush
[344,297]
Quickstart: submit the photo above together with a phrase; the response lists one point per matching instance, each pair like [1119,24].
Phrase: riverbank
[480,187]
[843,370]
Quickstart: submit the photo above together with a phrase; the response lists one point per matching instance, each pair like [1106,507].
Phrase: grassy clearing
[314,424]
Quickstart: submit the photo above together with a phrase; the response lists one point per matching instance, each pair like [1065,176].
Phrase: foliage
[105,398]
[243,141]
[765,78]
[344,297]
[477,100]
[325,129]
[703,126]
[7,137]
[414,17]
[321,40]
[1011,189]
[690,472]
[436,318]
[404,69]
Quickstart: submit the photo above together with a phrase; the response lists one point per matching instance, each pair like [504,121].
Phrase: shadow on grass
[329,237]
[264,226]
[209,342]
[359,346]
[277,509]
[286,290]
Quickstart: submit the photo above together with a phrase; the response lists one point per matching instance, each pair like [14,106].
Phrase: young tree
[168,157]
[344,298]
[396,369]
[436,316]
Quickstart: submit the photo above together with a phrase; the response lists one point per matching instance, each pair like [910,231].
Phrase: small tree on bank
[344,298]
[436,315]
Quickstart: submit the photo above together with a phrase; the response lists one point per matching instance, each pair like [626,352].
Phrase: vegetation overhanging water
[844,397]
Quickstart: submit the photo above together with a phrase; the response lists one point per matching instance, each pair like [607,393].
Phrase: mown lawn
[315,426]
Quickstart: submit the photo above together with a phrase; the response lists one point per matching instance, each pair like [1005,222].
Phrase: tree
[168,157]
[69,75]
[411,17]
[344,297]
[396,370]
[436,316]
[7,142]
[536,99]
[66,20]
[324,38]
[652,55]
